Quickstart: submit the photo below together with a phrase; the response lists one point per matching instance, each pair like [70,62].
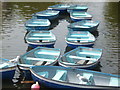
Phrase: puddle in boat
[14,15]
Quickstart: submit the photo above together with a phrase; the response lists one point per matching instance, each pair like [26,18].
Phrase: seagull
[84,79]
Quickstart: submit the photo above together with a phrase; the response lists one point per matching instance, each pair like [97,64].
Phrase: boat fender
[35,86]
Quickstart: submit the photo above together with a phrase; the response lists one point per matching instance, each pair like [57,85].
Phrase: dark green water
[13,31]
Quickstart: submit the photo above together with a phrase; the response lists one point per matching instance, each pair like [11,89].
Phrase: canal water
[15,14]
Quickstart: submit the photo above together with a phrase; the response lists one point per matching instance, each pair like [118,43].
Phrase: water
[14,15]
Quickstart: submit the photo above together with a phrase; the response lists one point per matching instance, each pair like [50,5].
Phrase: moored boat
[59,7]
[81,57]
[80,38]
[37,24]
[7,68]
[47,14]
[38,56]
[84,25]
[74,79]
[80,15]
[40,38]
[77,8]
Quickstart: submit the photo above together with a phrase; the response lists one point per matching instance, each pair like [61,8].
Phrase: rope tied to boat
[15,60]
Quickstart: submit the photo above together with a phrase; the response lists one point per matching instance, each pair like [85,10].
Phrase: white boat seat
[39,63]
[39,59]
[82,61]
[113,82]
[44,74]
[83,58]
[60,75]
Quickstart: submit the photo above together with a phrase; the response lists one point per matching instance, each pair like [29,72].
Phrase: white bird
[84,79]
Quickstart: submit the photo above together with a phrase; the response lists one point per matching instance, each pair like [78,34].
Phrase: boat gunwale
[58,8]
[72,25]
[45,11]
[30,21]
[81,17]
[80,43]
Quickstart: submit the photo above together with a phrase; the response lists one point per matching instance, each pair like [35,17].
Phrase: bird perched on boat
[82,78]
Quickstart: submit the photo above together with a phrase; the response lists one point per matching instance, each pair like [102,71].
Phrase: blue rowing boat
[38,56]
[47,14]
[84,25]
[40,38]
[37,24]
[80,38]
[8,68]
[80,15]
[59,7]
[81,57]
[74,79]
[77,8]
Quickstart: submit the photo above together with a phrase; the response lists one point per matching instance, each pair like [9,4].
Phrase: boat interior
[38,37]
[81,57]
[40,57]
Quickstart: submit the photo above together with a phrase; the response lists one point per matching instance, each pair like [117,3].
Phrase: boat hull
[84,29]
[58,9]
[83,10]
[80,19]
[74,45]
[88,67]
[48,17]
[7,74]
[36,28]
[47,45]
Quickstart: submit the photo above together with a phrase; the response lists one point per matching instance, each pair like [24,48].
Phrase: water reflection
[110,41]
[95,33]
[68,48]
[54,23]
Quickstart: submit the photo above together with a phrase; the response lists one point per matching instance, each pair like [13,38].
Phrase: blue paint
[76,20]
[34,46]
[37,28]
[7,74]
[75,46]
